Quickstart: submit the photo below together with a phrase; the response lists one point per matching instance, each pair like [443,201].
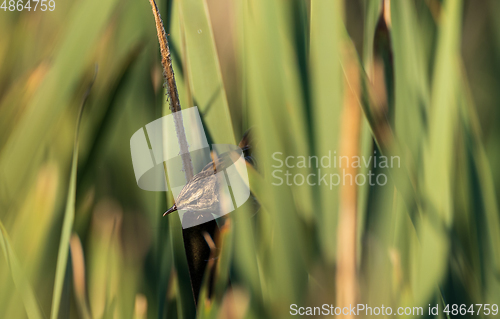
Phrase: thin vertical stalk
[346,275]
[69,216]
[195,246]
[173,95]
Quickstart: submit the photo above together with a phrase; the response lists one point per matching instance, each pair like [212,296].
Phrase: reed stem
[173,95]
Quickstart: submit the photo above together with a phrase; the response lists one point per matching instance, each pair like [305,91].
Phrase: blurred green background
[80,239]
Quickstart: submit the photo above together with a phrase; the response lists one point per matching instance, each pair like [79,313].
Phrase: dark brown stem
[195,245]
[175,105]
[166,61]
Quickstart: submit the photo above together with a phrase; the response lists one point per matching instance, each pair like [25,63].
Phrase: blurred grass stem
[346,275]
[69,215]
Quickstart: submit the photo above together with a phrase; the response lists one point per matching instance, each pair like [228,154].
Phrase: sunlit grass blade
[443,117]
[326,89]
[79,281]
[69,217]
[205,76]
[20,280]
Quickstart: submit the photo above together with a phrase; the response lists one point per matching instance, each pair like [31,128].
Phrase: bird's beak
[170,210]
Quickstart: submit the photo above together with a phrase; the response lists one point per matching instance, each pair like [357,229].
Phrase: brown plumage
[199,198]
[202,194]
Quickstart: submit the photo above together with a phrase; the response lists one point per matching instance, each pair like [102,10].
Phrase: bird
[200,200]
[201,194]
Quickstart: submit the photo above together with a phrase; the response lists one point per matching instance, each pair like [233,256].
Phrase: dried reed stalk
[195,238]
[346,271]
[173,95]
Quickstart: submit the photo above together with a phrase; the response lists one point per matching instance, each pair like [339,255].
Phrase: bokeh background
[415,79]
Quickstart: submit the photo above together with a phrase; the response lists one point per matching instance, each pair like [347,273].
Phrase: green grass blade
[443,117]
[204,72]
[268,90]
[69,217]
[326,86]
[486,182]
[412,94]
[20,280]
[372,11]
[439,159]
